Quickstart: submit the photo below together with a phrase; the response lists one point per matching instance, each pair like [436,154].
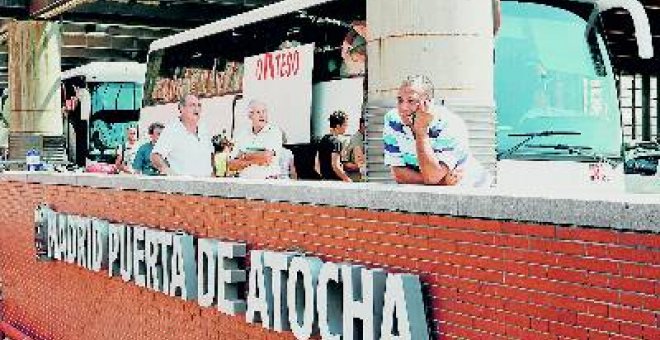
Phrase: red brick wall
[485,279]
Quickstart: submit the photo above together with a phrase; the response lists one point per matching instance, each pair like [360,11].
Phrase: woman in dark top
[329,149]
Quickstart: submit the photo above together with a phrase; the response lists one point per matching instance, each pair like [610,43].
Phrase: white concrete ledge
[623,211]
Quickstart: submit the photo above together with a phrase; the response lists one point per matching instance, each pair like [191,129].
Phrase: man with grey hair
[426,143]
[257,148]
[184,147]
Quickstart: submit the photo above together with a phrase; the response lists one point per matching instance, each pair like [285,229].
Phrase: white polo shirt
[188,154]
[269,138]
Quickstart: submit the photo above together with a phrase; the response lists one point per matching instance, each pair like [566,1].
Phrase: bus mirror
[639,17]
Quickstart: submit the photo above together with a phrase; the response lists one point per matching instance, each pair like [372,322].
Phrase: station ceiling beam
[120,29]
[49,9]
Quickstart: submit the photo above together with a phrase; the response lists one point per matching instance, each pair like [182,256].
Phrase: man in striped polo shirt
[427,143]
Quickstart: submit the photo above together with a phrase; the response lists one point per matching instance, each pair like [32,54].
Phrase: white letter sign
[403,303]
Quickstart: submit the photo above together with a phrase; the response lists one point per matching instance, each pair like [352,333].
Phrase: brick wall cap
[615,211]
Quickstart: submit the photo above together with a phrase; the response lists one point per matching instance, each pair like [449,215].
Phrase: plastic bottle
[33,160]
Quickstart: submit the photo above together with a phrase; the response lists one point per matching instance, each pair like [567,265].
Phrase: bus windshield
[116,97]
[552,74]
[115,106]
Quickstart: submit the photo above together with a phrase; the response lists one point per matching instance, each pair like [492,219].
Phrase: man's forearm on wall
[260,158]
[237,164]
[403,175]
[431,169]
[159,163]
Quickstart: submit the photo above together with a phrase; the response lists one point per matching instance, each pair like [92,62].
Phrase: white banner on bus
[283,81]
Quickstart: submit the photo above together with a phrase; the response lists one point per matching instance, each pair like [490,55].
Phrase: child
[223,147]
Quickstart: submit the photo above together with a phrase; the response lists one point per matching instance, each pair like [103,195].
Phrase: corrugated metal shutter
[481,122]
[52,148]
[376,169]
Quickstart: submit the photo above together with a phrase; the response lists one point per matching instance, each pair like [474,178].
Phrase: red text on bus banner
[280,64]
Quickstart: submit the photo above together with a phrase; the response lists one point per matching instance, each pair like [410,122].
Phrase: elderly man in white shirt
[257,148]
[184,148]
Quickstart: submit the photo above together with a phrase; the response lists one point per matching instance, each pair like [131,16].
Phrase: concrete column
[34,83]
[451,42]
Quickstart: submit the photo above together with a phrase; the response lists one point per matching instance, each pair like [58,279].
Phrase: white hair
[419,83]
[256,102]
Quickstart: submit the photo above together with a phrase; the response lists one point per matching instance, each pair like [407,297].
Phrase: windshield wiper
[530,136]
[575,150]
[572,149]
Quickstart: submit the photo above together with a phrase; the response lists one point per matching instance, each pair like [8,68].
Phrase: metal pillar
[657,108]
[451,42]
[646,107]
[633,108]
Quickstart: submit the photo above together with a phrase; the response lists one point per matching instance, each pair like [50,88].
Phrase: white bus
[558,118]
[210,61]
[101,100]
